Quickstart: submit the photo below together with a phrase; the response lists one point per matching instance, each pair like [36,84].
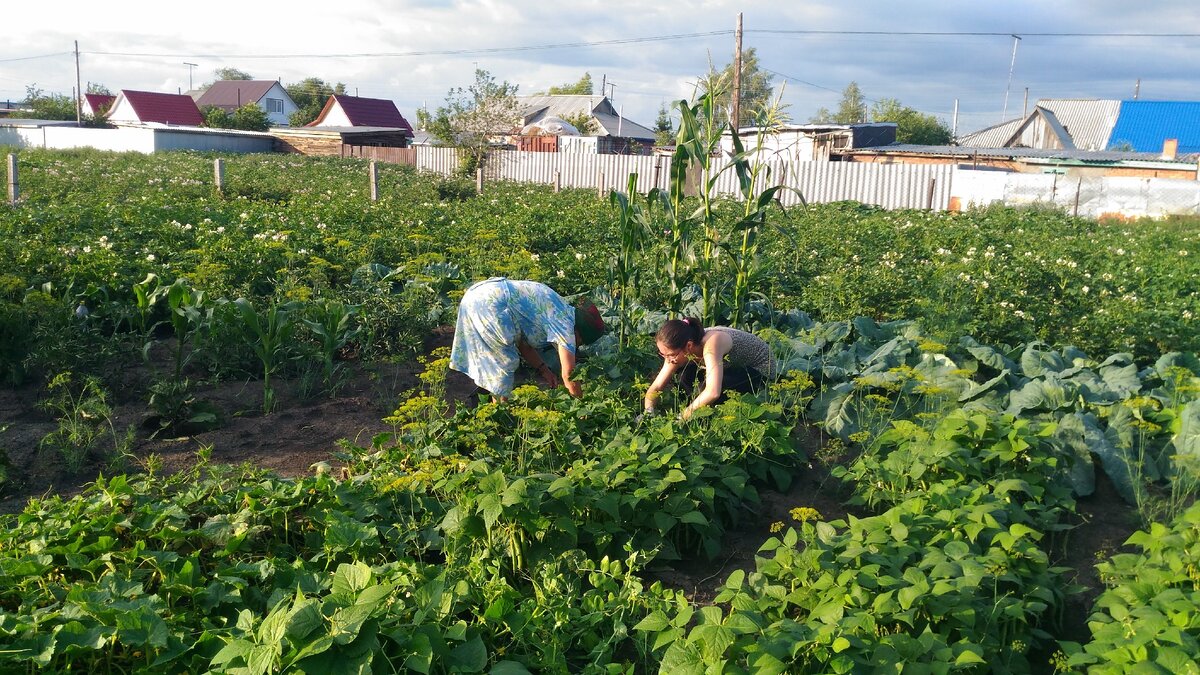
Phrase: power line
[617,41]
[969,33]
[432,52]
[41,56]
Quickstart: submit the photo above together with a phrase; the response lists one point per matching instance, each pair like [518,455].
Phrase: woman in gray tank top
[732,359]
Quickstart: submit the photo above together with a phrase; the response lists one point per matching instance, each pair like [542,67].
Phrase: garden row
[297,229]
[514,537]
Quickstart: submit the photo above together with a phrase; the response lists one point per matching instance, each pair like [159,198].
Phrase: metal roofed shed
[608,120]
[1144,126]
[1035,160]
[812,142]
[1087,122]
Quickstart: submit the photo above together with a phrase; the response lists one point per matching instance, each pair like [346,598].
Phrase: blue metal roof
[1142,126]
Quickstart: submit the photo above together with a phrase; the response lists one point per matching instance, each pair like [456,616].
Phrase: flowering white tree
[473,117]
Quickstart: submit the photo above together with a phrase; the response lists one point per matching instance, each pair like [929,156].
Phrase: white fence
[1088,197]
[890,186]
[137,139]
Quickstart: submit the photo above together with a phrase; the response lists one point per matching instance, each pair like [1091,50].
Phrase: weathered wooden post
[373,173]
[1078,189]
[219,174]
[557,181]
[479,180]
[929,197]
[14,190]
[600,184]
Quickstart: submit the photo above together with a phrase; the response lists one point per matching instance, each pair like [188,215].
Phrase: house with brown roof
[347,122]
[356,111]
[229,95]
[151,107]
[97,105]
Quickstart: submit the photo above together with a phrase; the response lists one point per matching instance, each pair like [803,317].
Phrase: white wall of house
[336,118]
[122,111]
[788,145]
[278,105]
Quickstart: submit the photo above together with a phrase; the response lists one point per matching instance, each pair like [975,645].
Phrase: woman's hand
[548,376]
[574,388]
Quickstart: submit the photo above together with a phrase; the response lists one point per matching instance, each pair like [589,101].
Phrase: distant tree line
[912,126]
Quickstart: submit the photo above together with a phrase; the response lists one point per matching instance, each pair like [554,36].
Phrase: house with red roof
[355,111]
[97,105]
[229,95]
[151,107]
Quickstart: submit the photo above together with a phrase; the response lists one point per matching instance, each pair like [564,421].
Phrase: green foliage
[912,126]
[852,108]
[231,73]
[518,537]
[664,129]
[310,95]
[332,323]
[269,335]
[48,106]
[756,89]
[217,118]
[85,422]
[249,117]
[1148,619]
[582,87]
[583,121]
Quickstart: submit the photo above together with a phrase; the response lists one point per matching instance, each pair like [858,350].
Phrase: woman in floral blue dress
[500,321]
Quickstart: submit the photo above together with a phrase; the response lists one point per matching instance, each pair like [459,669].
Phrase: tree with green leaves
[581,87]
[851,110]
[47,106]
[664,128]
[424,119]
[474,116]
[912,126]
[583,121]
[249,117]
[756,89]
[310,95]
[231,74]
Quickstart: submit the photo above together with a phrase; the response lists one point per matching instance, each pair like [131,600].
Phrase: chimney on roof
[1170,148]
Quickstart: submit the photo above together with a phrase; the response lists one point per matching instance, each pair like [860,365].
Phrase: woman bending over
[732,359]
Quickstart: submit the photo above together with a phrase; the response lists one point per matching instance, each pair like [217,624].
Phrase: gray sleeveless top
[749,351]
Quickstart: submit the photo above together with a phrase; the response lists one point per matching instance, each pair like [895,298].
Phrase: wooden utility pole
[78,89]
[737,75]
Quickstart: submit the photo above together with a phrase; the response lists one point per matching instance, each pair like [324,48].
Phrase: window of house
[274,105]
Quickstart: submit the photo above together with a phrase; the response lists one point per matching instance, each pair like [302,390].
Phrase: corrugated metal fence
[889,186]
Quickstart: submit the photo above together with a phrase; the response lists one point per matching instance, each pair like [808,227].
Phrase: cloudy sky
[926,53]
